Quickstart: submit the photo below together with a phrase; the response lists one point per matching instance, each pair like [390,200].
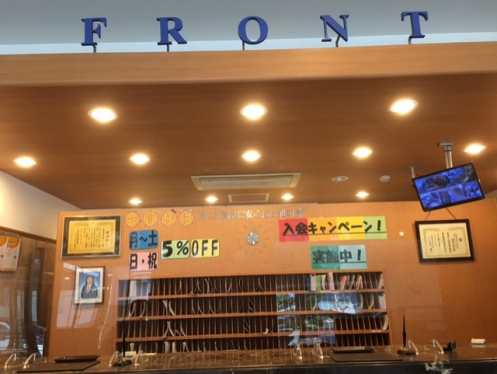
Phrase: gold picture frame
[91,236]
[444,240]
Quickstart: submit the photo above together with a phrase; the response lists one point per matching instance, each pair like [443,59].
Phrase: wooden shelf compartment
[340,308]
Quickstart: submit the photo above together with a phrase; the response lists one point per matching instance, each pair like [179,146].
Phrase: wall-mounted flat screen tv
[444,188]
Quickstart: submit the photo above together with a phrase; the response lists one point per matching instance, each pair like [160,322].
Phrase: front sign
[170,27]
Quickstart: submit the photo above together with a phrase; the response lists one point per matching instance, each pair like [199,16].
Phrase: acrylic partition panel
[272,294]
[26,295]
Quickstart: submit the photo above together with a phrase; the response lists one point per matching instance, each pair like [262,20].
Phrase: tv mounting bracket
[448,157]
[448,153]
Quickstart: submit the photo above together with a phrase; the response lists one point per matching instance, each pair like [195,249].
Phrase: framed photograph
[444,240]
[91,236]
[89,284]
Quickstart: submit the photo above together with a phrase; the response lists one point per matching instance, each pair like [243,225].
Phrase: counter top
[466,359]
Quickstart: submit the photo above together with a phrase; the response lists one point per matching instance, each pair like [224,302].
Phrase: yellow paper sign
[204,248]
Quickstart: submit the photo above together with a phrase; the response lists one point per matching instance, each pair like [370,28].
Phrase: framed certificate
[444,240]
[91,236]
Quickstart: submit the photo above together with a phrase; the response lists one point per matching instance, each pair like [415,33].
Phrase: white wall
[28,209]
[132,27]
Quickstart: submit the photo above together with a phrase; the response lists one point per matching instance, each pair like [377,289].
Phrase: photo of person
[89,285]
[89,289]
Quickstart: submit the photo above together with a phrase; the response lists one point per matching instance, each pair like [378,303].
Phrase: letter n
[341,31]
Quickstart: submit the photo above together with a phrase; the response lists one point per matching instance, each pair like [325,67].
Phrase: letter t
[415,26]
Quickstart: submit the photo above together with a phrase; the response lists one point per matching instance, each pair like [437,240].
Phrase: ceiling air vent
[248,198]
[245,181]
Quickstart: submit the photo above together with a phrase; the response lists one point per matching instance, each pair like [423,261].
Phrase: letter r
[165,31]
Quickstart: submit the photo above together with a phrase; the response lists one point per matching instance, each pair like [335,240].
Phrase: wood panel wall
[121,68]
[443,301]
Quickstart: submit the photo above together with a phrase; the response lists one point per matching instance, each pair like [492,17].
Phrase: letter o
[242,30]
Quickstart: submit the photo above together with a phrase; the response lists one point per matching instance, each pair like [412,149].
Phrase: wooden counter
[466,359]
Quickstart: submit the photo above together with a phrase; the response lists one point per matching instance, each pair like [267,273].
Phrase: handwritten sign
[339,257]
[143,239]
[143,261]
[332,228]
[196,248]
[175,249]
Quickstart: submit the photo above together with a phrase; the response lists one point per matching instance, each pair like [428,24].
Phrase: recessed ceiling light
[102,115]
[362,194]
[251,156]
[385,178]
[25,161]
[474,148]
[211,199]
[135,201]
[340,178]
[287,197]
[362,152]
[140,158]
[403,106]
[253,111]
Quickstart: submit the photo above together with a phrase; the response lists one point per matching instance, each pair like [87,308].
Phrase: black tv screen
[444,188]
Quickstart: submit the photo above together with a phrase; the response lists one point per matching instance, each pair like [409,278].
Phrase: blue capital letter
[415,26]
[341,31]
[89,30]
[242,30]
[165,31]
